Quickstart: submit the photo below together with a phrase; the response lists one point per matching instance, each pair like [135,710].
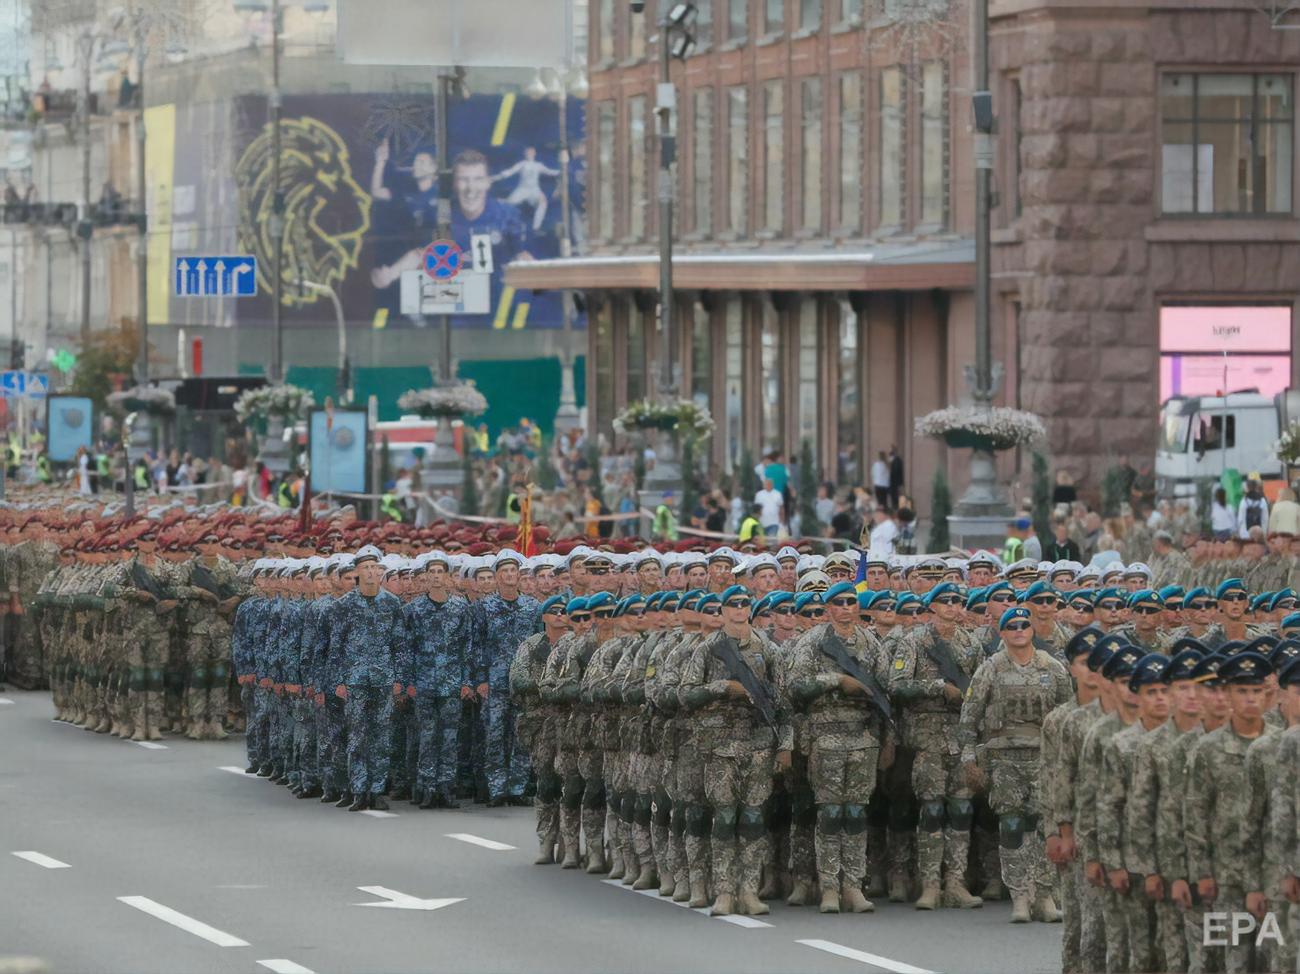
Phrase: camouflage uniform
[1265,841]
[644,766]
[1115,838]
[535,728]
[499,626]
[1281,841]
[26,566]
[207,641]
[145,636]
[896,788]
[1089,790]
[668,816]
[1049,764]
[559,686]
[621,757]
[439,635]
[686,788]
[594,692]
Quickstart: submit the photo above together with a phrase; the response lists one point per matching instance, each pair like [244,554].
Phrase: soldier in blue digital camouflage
[331,715]
[438,631]
[311,646]
[368,654]
[245,641]
[502,621]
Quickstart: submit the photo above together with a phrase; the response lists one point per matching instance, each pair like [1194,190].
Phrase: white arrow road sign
[401,901]
[480,250]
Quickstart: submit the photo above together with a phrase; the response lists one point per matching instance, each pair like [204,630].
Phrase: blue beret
[1145,596]
[1122,663]
[1260,600]
[943,588]
[1183,664]
[1291,621]
[838,589]
[1038,588]
[805,599]
[1286,593]
[1289,675]
[1083,641]
[576,605]
[1200,592]
[708,598]
[976,598]
[733,592]
[1108,593]
[1011,615]
[864,598]
[1079,595]
[1245,669]
[1229,585]
[760,606]
[628,603]
[692,593]
[886,595]
[601,601]
[779,598]
[999,586]
[669,600]
[1150,669]
[1172,592]
[906,598]
[552,602]
[687,602]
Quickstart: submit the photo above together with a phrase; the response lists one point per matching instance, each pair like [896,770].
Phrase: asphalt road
[115,857]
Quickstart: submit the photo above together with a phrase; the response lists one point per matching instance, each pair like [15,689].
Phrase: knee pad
[985,818]
[661,813]
[931,817]
[751,824]
[593,796]
[902,815]
[1011,831]
[677,821]
[697,821]
[724,822]
[961,813]
[572,791]
[878,811]
[641,810]
[830,819]
[626,807]
[855,819]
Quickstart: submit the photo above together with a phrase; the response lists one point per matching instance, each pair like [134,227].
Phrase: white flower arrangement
[149,399]
[1287,448]
[461,399]
[995,428]
[683,416]
[287,402]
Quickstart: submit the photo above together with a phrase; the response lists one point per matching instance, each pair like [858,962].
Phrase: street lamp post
[277,204]
[86,48]
[142,188]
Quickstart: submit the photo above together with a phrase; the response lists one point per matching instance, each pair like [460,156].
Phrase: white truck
[1202,436]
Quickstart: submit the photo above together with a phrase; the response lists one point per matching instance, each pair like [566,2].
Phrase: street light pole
[444,212]
[86,49]
[142,188]
[277,205]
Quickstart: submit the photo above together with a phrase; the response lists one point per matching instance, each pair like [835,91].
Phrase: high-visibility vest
[285,495]
[388,505]
[43,469]
[142,478]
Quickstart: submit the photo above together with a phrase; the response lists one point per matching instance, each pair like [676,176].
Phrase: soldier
[1217,798]
[727,689]
[1147,610]
[1008,698]
[1280,830]
[331,712]
[210,600]
[1169,566]
[1232,598]
[1050,636]
[558,689]
[837,676]
[245,639]
[668,825]
[144,605]
[931,671]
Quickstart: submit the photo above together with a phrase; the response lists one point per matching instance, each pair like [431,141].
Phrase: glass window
[734,424]
[605,50]
[737,20]
[636,168]
[809,383]
[773,16]
[1017,136]
[850,217]
[702,357]
[891,147]
[606,178]
[738,161]
[774,156]
[703,161]
[810,14]
[703,22]
[850,11]
[770,378]
[1226,143]
[636,30]
[849,408]
[934,144]
[602,320]
[635,353]
[811,163]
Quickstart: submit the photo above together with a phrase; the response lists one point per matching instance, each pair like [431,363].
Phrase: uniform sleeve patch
[649,672]
[898,664]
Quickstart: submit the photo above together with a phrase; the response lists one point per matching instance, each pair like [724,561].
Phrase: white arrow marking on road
[376,813]
[235,770]
[749,923]
[42,860]
[151,745]
[284,967]
[190,925]
[403,901]
[4,701]
[476,840]
[898,967]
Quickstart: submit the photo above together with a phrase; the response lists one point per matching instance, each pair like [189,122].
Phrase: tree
[1114,491]
[746,480]
[940,508]
[690,482]
[107,353]
[545,475]
[1042,508]
[809,527]
[469,500]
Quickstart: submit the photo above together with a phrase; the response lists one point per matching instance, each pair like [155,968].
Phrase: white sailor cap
[787,553]
[507,555]
[986,558]
[1063,567]
[762,560]
[1137,570]
[723,552]
[647,556]
[367,553]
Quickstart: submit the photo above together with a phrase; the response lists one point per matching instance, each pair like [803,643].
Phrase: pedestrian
[771,505]
[880,479]
[1223,521]
[1252,511]
[896,478]
[1062,547]
[883,532]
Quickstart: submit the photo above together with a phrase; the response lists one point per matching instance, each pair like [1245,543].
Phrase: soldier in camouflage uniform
[559,687]
[668,817]
[207,626]
[1001,727]
[1280,847]
[245,638]
[1043,603]
[929,674]
[145,633]
[1146,608]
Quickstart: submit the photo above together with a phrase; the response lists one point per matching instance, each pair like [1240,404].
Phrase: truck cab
[1202,436]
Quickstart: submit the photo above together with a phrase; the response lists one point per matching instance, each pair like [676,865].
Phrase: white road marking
[284,967]
[234,770]
[477,840]
[188,924]
[404,901]
[5,701]
[749,923]
[376,813]
[240,886]
[875,960]
[42,860]
[151,745]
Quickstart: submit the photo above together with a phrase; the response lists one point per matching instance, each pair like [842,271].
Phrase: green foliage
[747,480]
[690,481]
[106,354]
[809,527]
[940,509]
[469,499]
[1113,491]
[1042,508]
[544,474]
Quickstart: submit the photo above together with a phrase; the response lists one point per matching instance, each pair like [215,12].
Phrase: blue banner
[69,427]
[338,452]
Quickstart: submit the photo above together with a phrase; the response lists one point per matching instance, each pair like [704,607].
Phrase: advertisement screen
[1208,350]
[338,451]
[69,427]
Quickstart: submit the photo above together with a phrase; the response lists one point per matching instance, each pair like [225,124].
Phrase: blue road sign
[13,383]
[215,277]
[38,385]
[442,260]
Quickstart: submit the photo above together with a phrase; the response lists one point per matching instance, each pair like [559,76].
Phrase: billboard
[337,448]
[68,427]
[360,187]
[1208,350]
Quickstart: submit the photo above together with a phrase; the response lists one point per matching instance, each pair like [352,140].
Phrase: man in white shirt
[771,505]
[880,479]
[1253,510]
[883,532]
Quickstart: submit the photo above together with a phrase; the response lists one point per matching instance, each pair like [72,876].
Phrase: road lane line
[234,770]
[285,967]
[376,813]
[747,922]
[151,745]
[478,840]
[5,702]
[41,859]
[875,960]
[188,924]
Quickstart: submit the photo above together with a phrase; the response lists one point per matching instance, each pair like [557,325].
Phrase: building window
[1017,135]
[605,175]
[773,16]
[703,22]
[636,168]
[703,161]
[851,11]
[811,163]
[810,14]
[809,379]
[635,345]
[737,20]
[934,144]
[735,392]
[850,217]
[602,322]
[738,161]
[636,28]
[774,156]
[849,407]
[605,26]
[701,357]
[1227,143]
[770,362]
[892,151]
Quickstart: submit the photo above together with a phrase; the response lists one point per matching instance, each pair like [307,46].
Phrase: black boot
[360,804]
[496,802]
[430,800]
[312,792]
[345,799]
[264,771]
[401,794]
[251,769]
[379,803]
[329,798]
